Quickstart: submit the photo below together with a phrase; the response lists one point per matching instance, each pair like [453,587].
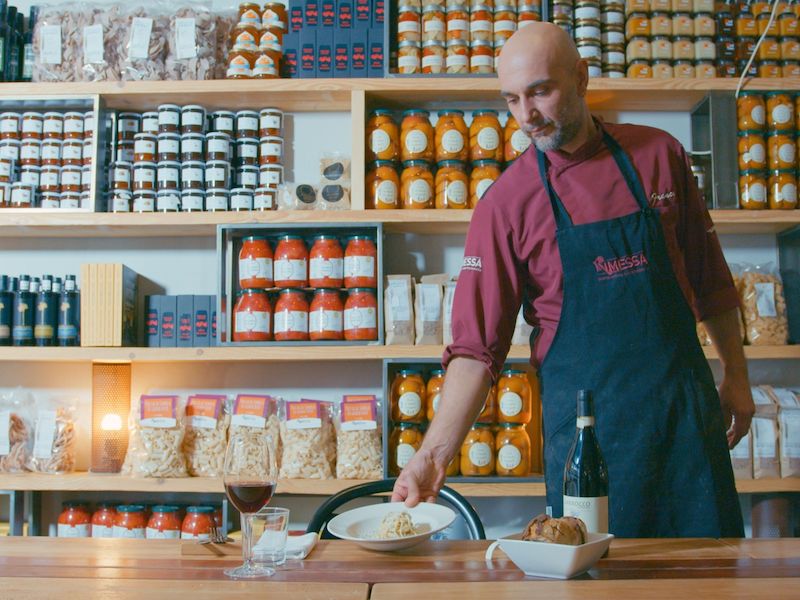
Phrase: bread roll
[566,530]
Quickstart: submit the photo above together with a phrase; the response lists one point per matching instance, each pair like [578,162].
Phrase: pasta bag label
[203,411]
[251,411]
[45,433]
[158,411]
[306,414]
[359,415]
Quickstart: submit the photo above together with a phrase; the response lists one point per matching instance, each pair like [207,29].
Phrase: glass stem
[247,539]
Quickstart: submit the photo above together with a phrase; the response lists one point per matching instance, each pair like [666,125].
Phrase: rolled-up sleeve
[488,293]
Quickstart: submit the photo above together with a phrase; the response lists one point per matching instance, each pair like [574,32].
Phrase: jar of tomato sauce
[408,397]
[361,315]
[433,392]
[164,524]
[291,316]
[477,451]
[291,262]
[326,316]
[404,442]
[255,263]
[326,263]
[514,397]
[197,523]
[361,263]
[513,449]
[130,522]
[103,521]
[74,521]
[251,317]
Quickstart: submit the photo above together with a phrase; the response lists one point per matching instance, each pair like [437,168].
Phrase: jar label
[123,532]
[10,126]
[217,175]
[457,25]
[216,202]
[72,152]
[218,146]
[488,138]
[755,193]
[49,179]
[30,177]
[295,321]
[239,67]
[73,531]
[520,141]
[756,155]
[53,126]
[786,153]
[435,403]
[70,202]
[265,66]
[405,452]
[409,403]
[386,193]
[32,151]
[505,25]
[325,320]
[510,404]
[361,318]
[408,62]
[255,268]
[192,175]
[326,268]
[192,146]
[509,457]
[758,114]
[408,27]
[247,179]
[151,533]
[263,201]
[416,141]
[194,536]
[70,177]
[168,202]
[477,26]
[169,117]
[434,25]
[480,454]
[481,61]
[482,186]
[359,266]
[290,270]
[434,60]
[456,192]
[240,201]
[788,193]
[168,174]
[192,202]
[247,150]
[169,146]
[142,204]
[36,126]
[252,322]
[223,123]
[379,141]
[270,122]
[269,177]
[452,141]
[419,191]
[193,118]
[144,147]
[51,151]
[144,175]
[120,204]
[271,148]
[150,124]
[456,60]
[102,531]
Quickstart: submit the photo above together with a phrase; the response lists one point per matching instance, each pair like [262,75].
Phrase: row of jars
[457,56]
[193,200]
[49,125]
[192,175]
[21,195]
[668,69]
[47,152]
[770,111]
[664,48]
[293,265]
[450,139]
[272,14]
[256,42]
[778,150]
[136,521]
[294,320]
[759,189]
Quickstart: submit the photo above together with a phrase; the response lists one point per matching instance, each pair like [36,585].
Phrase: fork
[215,536]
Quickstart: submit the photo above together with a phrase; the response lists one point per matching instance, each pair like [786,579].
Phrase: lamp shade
[111,403]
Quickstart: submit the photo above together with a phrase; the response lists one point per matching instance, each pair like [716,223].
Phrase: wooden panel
[358,119]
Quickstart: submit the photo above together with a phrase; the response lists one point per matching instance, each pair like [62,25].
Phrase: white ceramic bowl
[557,561]
[360,525]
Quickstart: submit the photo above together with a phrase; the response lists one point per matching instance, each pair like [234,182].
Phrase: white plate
[558,561]
[360,525]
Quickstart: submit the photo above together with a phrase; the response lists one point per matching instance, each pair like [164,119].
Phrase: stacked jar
[256,42]
[185,158]
[447,166]
[322,288]
[612,37]
[46,159]
[588,35]
[563,15]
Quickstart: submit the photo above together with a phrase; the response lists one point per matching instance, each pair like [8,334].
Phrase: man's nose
[529,112]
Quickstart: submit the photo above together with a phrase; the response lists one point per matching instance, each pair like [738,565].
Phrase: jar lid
[752,93]
[251,292]
[777,133]
[406,372]
[408,8]
[661,37]
[431,43]
[431,8]
[475,43]
[163,508]
[222,113]
[193,107]
[450,111]
[752,172]
[486,162]
[437,372]
[289,236]
[415,111]
[408,44]
[218,163]
[381,163]
[508,7]
[35,115]
[286,291]
[254,238]
[105,505]
[73,504]
[325,236]
[122,194]
[218,192]
[168,136]
[168,107]
[771,94]
[480,425]
[143,165]
[478,7]
[641,39]
[639,61]
[512,372]
[682,62]
[246,140]
[188,136]
[218,134]
[381,112]
[270,138]
[415,163]
[149,115]
[451,163]
[200,509]
[242,190]
[484,111]
[359,290]
[130,508]
[246,113]
[323,291]
[167,163]
[72,115]
[359,238]
[457,42]
[402,426]
[144,193]
[6,115]
[779,171]
[200,193]
[269,111]
[511,425]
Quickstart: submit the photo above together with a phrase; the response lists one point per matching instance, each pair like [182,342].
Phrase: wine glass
[250,477]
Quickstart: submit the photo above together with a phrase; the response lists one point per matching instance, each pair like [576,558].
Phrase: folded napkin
[297,546]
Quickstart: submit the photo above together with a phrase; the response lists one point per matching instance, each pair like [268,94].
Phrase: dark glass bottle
[69,314]
[44,328]
[19,45]
[6,310]
[12,47]
[3,39]
[28,56]
[585,473]
[22,329]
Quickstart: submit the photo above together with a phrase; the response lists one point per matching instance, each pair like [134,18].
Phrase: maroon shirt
[511,252]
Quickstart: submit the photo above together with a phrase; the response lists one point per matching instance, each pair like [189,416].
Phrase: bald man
[599,232]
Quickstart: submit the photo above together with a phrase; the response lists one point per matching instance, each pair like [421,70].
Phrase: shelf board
[15,224]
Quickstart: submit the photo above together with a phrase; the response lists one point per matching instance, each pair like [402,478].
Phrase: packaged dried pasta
[428,313]
[54,438]
[309,441]
[55,44]
[398,310]
[154,449]
[16,430]
[254,419]
[206,435]
[359,452]
[145,43]
[764,306]
[192,52]
[102,38]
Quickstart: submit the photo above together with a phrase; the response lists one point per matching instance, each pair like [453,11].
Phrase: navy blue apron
[627,333]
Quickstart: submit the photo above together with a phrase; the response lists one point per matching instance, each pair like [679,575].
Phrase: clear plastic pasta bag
[359,453]
[206,435]
[55,437]
[309,441]
[254,420]
[154,449]
[16,430]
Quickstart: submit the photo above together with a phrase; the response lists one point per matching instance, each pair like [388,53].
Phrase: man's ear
[582,71]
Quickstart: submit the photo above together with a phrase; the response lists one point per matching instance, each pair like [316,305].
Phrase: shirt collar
[561,160]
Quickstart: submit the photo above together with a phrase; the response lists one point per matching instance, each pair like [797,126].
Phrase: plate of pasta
[391,526]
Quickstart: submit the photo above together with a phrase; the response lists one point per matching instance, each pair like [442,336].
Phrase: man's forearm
[725,333]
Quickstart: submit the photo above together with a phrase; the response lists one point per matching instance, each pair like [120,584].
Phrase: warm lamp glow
[111,422]
[111,403]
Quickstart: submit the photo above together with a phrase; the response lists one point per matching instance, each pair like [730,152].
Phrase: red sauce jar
[130,522]
[251,317]
[255,263]
[291,262]
[197,523]
[361,315]
[326,317]
[103,521]
[361,263]
[74,521]
[291,316]
[326,264]
[164,524]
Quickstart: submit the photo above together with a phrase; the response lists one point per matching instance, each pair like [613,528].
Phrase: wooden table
[104,568]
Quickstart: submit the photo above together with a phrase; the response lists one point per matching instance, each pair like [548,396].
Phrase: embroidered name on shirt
[471,263]
[656,198]
[608,268]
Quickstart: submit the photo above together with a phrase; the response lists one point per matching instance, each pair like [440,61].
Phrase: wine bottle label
[591,510]
[585,422]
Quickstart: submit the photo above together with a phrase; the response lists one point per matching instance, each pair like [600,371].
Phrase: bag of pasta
[309,441]
[254,420]
[764,306]
[16,430]
[206,435]
[358,439]
[154,449]
[54,438]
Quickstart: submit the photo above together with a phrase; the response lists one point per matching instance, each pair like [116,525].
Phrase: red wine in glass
[249,496]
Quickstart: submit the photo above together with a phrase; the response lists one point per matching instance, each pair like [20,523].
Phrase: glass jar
[270,150]
[637,25]
[193,175]
[168,175]
[505,22]
[408,58]
[218,174]
[481,23]
[270,122]
[481,57]
[264,198]
[223,121]
[246,152]
[769,49]
[144,147]
[130,522]
[683,48]
[255,263]
[514,397]
[382,136]
[457,22]
[10,125]
[149,122]
[790,49]
[30,175]
[383,185]
[22,195]
[661,48]
[168,201]
[193,147]
[144,176]
[769,69]
[484,174]
[682,25]
[751,111]
[752,190]
[250,12]
[46,199]
[124,152]
[416,185]
[404,442]
[488,413]
[660,24]
[30,153]
[143,201]
[73,126]
[291,316]
[70,200]
[433,392]
[326,316]
[168,146]
[683,69]
[515,140]
[780,151]
[103,521]
[50,178]
[241,199]
[163,524]
[169,118]
[457,61]
[121,201]
[433,23]
[291,262]
[197,523]
[477,452]
[71,179]
[752,150]
[360,263]
[72,152]
[451,136]
[74,521]
[10,149]
[217,199]
[638,49]
[782,189]
[361,315]
[408,23]
[53,125]
[33,125]
[485,134]
[780,112]
[408,397]
[452,185]
[416,136]
[193,200]
[193,119]
[274,15]
[513,448]
[218,146]
[326,263]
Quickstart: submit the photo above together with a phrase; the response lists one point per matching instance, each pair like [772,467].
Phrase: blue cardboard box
[324,53]
[291,56]
[169,321]
[378,13]
[344,14]
[376,53]
[307,58]
[152,320]
[341,53]
[295,16]
[185,321]
[201,335]
[363,13]
[358,53]
[327,13]
[310,14]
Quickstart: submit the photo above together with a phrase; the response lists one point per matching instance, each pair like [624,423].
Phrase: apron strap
[563,220]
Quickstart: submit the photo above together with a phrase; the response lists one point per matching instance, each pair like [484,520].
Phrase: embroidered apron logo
[622,265]
[472,263]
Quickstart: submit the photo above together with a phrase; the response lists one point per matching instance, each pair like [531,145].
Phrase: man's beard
[565,129]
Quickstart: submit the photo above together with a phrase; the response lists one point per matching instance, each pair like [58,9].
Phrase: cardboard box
[341,53]
[376,53]
[214,336]
[108,304]
[362,11]
[291,53]
[308,54]
[168,327]
[378,13]
[201,334]
[310,14]
[295,17]
[344,14]
[327,13]
[324,53]
[358,53]
[152,316]
[185,321]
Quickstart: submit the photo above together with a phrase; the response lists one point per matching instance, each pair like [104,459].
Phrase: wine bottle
[585,474]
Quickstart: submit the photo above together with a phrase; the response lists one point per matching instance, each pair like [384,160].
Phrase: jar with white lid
[124,152]
[270,122]
[10,125]
[121,176]
[193,175]
[218,146]
[86,179]
[10,149]
[247,124]
[73,125]
[51,151]
[241,199]
[168,146]
[88,151]
[144,147]
[144,176]
[71,179]
[86,200]
[70,200]
[264,198]
[144,201]
[193,119]
[150,122]
[270,175]
[169,175]
[218,174]
[128,125]
[50,179]
[246,151]
[168,201]
[30,174]
[193,147]
[33,125]
[192,200]
[72,152]
[169,118]
[217,200]
[88,125]
[270,150]
[121,201]
[223,121]
[53,125]
[247,177]
[30,152]
[50,200]
[22,195]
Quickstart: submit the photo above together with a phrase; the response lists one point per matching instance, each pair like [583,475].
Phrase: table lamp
[111,401]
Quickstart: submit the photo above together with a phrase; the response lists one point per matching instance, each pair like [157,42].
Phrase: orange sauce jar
[326,263]
[164,524]
[780,112]
[515,140]
[637,25]
[484,174]
[489,410]
[245,36]
[291,262]
[361,315]
[781,151]
[274,15]
[433,392]
[326,316]
[360,263]
[130,522]
[240,64]
[416,136]
[783,189]
[250,12]
[485,134]
[751,111]
[752,190]
[451,136]
[514,397]
[477,452]
[103,521]
[452,185]
[383,185]
[408,397]
[255,263]
[639,69]
[251,317]
[405,440]
[769,69]
[197,523]
[74,521]
[416,185]
[291,316]
[383,140]
[267,64]
[513,448]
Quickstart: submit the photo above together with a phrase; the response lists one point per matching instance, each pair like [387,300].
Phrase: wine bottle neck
[585,422]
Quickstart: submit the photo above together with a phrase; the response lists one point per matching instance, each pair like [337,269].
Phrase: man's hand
[420,480]
[737,407]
